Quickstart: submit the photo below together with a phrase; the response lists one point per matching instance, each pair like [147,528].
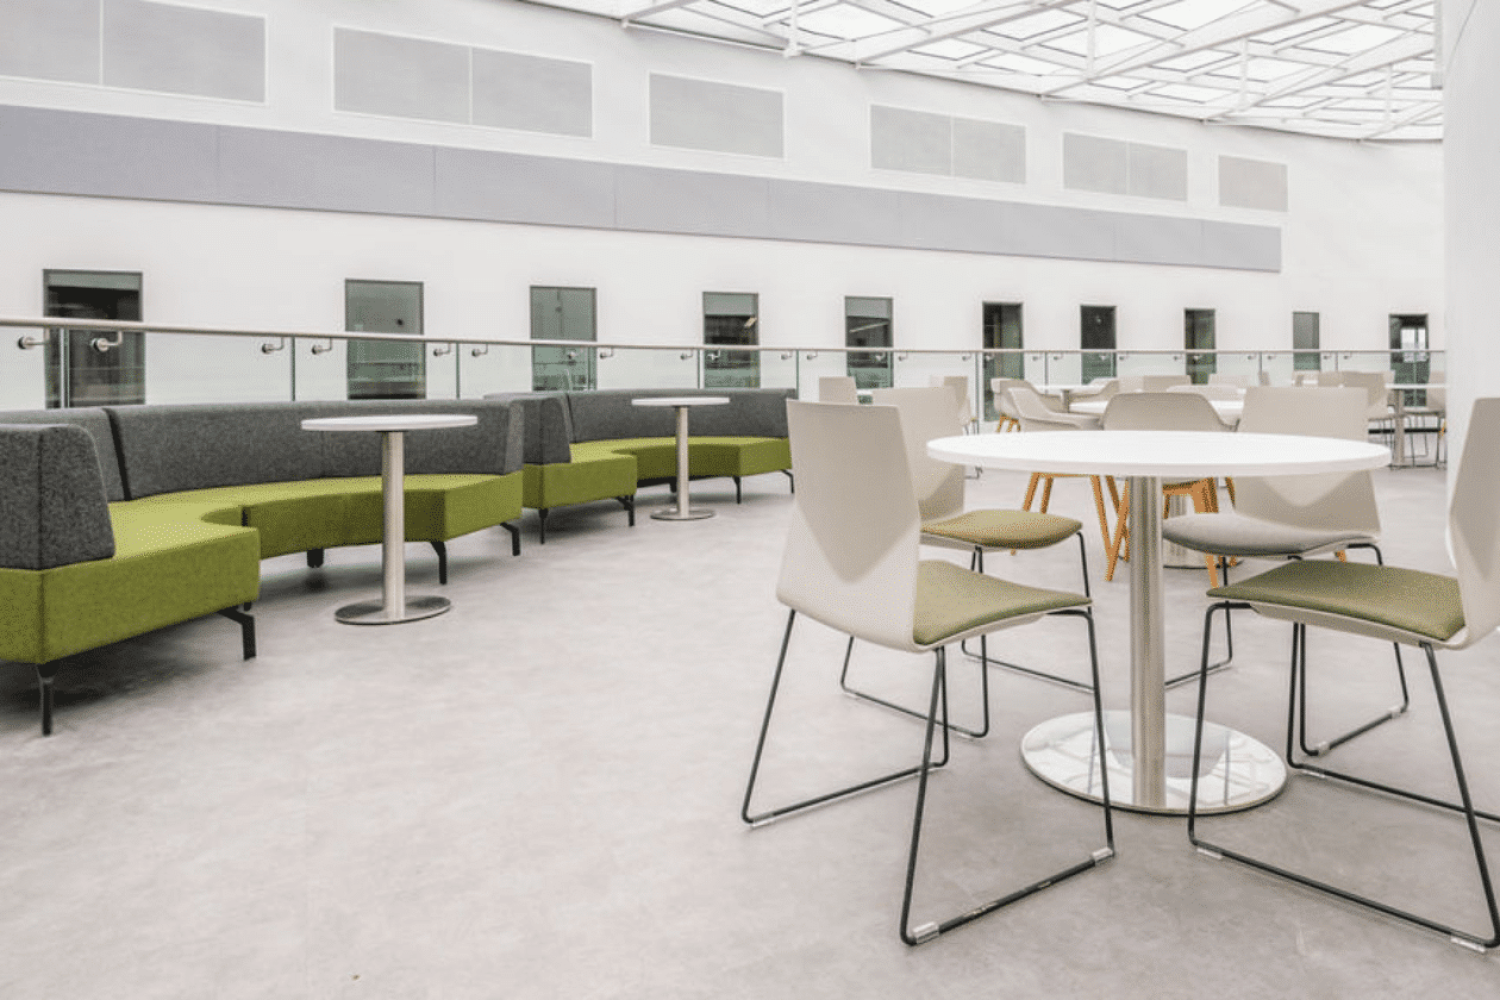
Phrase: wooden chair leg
[1116,549]
[1046,493]
[1036,477]
[1104,531]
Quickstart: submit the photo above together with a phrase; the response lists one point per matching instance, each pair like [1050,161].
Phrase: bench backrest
[53,497]
[609,413]
[93,420]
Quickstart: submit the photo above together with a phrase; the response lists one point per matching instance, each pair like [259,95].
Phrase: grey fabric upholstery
[1229,534]
[91,419]
[167,449]
[608,414]
[52,493]
[548,426]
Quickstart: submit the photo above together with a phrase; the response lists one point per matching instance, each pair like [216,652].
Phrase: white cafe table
[1149,752]
[394,605]
[684,510]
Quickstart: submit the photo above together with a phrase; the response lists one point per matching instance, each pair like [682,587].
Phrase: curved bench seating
[123,520]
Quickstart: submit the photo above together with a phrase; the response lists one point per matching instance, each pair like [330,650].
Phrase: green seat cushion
[593,474]
[1406,599]
[1005,529]
[656,458]
[952,600]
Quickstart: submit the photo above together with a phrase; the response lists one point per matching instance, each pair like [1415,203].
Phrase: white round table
[394,606]
[1147,749]
[684,510]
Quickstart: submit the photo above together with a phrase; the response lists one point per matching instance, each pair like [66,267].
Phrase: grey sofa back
[610,413]
[53,495]
[166,449]
[93,420]
[548,426]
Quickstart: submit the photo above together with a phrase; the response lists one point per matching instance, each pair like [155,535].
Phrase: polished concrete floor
[537,795]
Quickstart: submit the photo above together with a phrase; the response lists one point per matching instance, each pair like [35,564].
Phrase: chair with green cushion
[927,414]
[1404,606]
[851,562]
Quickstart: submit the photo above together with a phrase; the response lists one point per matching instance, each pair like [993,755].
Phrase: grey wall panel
[504,187]
[1250,248]
[683,201]
[970,224]
[66,152]
[699,114]
[184,50]
[50,39]
[333,173]
[402,77]
[533,94]
[1052,231]
[802,210]
[910,140]
[1252,183]
[1158,172]
[1094,164]
[1146,239]
[989,151]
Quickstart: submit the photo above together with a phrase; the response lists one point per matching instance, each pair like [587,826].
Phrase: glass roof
[1355,69]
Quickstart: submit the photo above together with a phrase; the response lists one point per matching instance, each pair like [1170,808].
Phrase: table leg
[394,606]
[1148,707]
[684,510]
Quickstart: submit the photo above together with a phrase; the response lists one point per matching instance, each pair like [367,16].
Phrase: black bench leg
[515,537]
[45,672]
[791,480]
[314,558]
[442,554]
[629,504]
[541,523]
[247,629]
[738,498]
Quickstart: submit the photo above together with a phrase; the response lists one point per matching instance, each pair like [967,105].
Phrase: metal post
[392,550]
[683,510]
[1148,731]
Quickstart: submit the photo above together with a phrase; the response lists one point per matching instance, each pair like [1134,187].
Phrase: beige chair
[1161,411]
[1397,605]
[1228,393]
[1151,383]
[837,389]
[1295,517]
[851,562]
[1036,415]
[959,386]
[926,414]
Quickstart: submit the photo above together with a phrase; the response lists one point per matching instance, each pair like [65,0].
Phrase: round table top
[391,422]
[1177,454]
[680,401]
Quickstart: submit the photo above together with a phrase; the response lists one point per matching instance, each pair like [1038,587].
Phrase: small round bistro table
[684,510]
[1148,750]
[394,605]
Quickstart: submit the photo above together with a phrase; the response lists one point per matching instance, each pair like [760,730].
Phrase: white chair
[959,386]
[1151,383]
[1397,605]
[851,562]
[1035,415]
[837,389]
[1295,517]
[1222,391]
[939,486]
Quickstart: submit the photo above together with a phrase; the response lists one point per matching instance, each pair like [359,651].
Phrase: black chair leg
[541,524]
[756,819]
[314,558]
[791,480]
[247,629]
[629,504]
[1465,805]
[515,537]
[45,674]
[441,549]
[984,694]
[738,496]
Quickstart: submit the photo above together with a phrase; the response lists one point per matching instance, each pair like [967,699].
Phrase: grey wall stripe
[71,153]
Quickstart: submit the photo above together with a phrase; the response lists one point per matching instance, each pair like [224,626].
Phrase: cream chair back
[1332,501]
[1373,383]
[1223,390]
[927,414]
[959,386]
[1161,411]
[850,559]
[1474,521]
[1035,415]
[837,389]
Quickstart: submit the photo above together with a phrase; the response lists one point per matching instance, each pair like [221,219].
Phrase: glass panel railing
[1238,369]
[23,374]
[483,369]
[814,365]
[183,368]
[648,368]
[1150,363]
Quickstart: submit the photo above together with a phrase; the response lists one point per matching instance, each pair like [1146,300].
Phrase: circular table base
[1237,773]
[673,514]
[374,613]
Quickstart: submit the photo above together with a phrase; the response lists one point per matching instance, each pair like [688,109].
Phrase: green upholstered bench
[586,446]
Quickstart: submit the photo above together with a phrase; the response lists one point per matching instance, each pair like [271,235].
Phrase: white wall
[1361,238]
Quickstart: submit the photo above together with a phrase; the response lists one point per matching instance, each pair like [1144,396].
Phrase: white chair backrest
[1228,378]
[959,386]
[927,414]
[1034,414]
[1161,411]
[1160,383]
[837,389]
[1108,388]
[1224,391]
[1474,521]
[1333,501]
[1373,383]
[850,559]
[1328,380]
[1437,399]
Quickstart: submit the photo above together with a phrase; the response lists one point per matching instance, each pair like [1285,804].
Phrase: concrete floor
[537,794]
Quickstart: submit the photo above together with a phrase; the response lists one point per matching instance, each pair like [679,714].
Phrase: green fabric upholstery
[737,456]
[165,570]
[951,600]
[594,474]
[655,458]
[1010,529]
[1420,603]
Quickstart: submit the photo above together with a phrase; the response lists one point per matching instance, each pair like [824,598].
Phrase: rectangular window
[1305,346]
[731,320]
[87,367]
[867,324]
[1198,336]
[1096,333]
[1409,359]
[382,370]
[563,314]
